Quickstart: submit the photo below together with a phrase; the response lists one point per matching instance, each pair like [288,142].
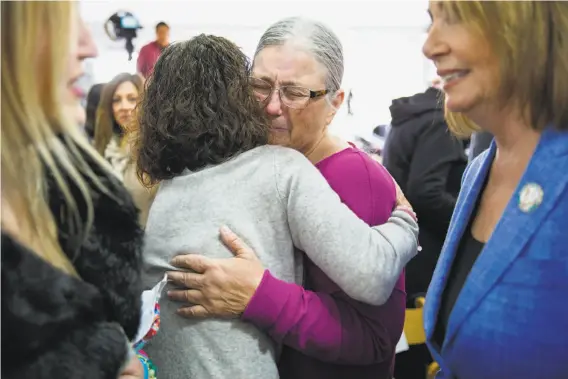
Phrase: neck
[325,147]
[514,137]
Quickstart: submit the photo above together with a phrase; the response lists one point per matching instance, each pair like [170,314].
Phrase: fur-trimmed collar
[55,325]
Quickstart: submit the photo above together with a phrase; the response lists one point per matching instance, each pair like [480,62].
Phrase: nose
[126,105]
[435,46]
[87,46]
[274,105]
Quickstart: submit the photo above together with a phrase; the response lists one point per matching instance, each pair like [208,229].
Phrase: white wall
[340,13]
[382,41]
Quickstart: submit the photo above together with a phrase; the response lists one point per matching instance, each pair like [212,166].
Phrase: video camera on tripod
[123,25]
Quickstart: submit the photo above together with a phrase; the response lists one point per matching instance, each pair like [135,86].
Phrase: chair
[414,324]
[414,331]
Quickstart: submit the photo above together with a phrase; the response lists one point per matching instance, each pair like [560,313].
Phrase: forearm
[323,326]
[365,263]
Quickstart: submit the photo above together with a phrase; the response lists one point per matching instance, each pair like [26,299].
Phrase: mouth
[279,130]
[78,92]
[450,76]
[76,89]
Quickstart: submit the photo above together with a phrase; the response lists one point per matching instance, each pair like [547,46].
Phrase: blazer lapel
[516,227]
[467,198]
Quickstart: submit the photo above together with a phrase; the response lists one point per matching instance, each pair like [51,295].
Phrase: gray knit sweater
[276,200]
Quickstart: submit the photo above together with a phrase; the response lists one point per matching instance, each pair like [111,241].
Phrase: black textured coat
[58,326]
[428,163]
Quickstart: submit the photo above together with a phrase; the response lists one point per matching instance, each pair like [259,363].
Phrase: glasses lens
[295,97]
[260,88]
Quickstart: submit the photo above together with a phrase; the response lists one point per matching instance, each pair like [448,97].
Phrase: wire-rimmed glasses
[295,97]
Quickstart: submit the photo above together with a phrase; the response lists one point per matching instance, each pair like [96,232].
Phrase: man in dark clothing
[427,161]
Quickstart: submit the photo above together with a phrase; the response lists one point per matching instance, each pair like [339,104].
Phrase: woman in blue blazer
[496,307]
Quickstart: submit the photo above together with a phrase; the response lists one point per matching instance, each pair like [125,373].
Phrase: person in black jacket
[480,141]
[428,163]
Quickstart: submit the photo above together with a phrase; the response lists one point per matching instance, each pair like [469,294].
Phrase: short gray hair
[316,38]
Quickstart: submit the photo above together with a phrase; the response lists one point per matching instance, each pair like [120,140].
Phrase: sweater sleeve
[329,327]
[363,261]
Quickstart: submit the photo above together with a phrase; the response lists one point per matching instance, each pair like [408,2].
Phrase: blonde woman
[495,308]
[70,241]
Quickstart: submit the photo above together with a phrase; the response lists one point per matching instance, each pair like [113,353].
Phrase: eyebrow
[289,83]
[270,80]
[265,78]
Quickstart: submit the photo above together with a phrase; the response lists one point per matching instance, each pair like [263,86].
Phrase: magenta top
[325,333]
[147,58]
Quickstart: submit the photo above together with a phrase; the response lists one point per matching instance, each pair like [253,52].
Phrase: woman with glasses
[203,137]
[325,330]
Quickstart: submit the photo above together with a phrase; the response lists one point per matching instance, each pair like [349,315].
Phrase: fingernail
[225,229]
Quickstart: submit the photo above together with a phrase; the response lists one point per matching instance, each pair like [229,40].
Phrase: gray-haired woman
[326,333]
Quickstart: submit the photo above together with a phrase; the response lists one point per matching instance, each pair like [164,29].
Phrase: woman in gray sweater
[204,138]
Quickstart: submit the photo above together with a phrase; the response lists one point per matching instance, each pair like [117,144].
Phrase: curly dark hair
[198,109]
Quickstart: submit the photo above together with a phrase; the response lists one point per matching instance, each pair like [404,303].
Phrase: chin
[458,104]
[278,139]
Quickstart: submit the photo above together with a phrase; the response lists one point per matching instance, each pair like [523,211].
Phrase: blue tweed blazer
[510,320]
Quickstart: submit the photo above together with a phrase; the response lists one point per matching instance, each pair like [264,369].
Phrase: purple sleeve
[328,327]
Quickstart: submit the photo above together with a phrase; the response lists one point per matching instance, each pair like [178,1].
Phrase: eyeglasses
[292,96]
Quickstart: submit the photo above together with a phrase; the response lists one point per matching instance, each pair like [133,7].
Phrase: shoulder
[474,168]
[294,172]
[356,167]
[289,162]
[362,183]
[113,206]
[147,47]
[285,154]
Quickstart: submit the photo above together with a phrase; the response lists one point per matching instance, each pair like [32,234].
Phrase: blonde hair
[529,40]
[38,138]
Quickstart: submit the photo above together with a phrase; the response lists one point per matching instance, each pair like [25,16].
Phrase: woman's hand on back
[217,287]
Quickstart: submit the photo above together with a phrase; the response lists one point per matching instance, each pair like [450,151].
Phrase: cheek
[307,124]
[115,108]
[492,79]
[485,63]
